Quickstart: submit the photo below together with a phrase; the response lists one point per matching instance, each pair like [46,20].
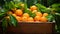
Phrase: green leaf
[2,15]
[56,7]
[32,15]
[48,10]
[50,17]
[41,7]
[9,5]
[3,10]
[31,2]
[13,20]
[25,6]
[4,24]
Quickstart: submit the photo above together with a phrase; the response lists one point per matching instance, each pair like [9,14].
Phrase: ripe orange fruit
[30,19]
[34,11]
[19,12]
[14,15]
[39,14]
[45,14]
[26,15]
[33,7]
[24,18]
[18,18]
[37,18]
[43,19]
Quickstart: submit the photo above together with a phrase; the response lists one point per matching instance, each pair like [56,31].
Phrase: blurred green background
[31,2]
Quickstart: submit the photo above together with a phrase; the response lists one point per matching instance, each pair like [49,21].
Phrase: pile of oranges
[25,17]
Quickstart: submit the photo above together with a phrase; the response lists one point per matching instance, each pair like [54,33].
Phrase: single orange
[24,19]
[18,18]
[34,11]
[37,18]
[33,7]
[43,19]
[30,19]
[45,14]
[26,15]
[19,12]
[39,14]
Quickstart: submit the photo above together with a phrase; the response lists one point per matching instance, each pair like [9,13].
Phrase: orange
[39,14]
[26,15]
[30,19]
[24,18]
[37,18]
[19,12]
[45,14]
[34,11]
[14,15]
[43,19]
[33,7]
[18,18]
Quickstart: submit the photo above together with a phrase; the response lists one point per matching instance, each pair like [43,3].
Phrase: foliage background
[31,2]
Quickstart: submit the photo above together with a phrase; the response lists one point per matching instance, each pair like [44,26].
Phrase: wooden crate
[32,28]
